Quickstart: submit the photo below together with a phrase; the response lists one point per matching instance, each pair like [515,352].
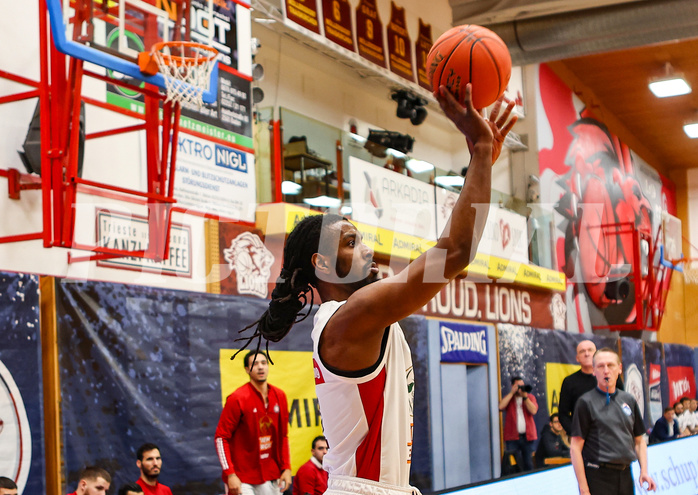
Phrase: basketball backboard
[111,33]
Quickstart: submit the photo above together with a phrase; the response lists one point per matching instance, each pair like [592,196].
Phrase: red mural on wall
[602,201]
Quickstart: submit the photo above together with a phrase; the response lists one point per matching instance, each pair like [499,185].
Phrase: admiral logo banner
[399,44]
[462,343]
[336,15]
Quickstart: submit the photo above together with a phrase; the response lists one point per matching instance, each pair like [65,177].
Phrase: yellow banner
[293,373]
[279,218]
[554,374]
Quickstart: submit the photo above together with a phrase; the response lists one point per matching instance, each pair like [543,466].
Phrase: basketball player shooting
[363,366]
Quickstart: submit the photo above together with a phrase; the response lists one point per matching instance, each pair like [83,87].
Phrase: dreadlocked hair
[296,281]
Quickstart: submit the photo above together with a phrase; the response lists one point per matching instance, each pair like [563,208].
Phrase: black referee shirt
[608,430]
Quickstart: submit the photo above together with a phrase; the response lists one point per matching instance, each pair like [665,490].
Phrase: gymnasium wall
[150,365]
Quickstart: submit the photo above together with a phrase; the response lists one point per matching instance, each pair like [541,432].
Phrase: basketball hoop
[186,67]
[690,271]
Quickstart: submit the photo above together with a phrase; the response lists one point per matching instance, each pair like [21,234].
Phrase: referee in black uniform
[607,434]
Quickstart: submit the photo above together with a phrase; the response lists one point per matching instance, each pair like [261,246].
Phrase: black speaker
[31,154]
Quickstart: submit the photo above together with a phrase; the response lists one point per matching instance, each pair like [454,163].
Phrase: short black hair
[318,439]
[677,403]
[252,353]
[146,447]
[684,398]
[94,472]
[130,487]
[553,416]
[667,409]
[7,483]
[516,379]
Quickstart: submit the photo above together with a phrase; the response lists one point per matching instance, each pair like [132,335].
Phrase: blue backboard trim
[82,52]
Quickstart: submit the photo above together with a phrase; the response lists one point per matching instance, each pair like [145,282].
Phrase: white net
[187,70]
[690,272]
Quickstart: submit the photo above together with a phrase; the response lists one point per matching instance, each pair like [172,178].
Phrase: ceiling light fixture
[671,84]
[323,202]
[691,130]
[419,166]
[290,188]
[450,180]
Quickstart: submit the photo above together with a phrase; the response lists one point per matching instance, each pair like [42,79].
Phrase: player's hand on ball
[501,124]
[467,119]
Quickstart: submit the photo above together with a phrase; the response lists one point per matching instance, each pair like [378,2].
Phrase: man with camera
[519,407]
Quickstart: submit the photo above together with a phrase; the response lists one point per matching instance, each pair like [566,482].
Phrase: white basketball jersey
[367,419]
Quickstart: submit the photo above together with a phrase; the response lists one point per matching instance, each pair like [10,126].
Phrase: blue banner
[634,374]
[463,343]
[144,365]
[21,399]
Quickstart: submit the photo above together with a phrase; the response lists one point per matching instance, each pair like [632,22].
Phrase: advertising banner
[131,232]
[463,343]
[634,373]
[390,200]
[679,368]
[245,262]
[150,365]
[21,398]
[498,303]
[505,235]
[657,391]
[214,178]
[229,118]
[673,466]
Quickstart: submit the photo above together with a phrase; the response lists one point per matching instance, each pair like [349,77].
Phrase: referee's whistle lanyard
[608,395]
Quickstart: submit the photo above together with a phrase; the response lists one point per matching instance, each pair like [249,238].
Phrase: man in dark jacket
[666,427]
[553,441]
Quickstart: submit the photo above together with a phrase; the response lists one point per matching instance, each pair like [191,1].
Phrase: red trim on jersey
[368,455]
[318,374]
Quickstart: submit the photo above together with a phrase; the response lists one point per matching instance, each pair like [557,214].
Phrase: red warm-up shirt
[310,479]
[251,439]
[158,489]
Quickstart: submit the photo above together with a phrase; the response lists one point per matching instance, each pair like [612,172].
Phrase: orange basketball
[472,54]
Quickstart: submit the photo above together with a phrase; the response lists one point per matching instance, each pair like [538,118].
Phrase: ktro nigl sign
[461,343]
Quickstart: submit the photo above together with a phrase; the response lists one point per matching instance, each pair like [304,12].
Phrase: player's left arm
[641,452]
